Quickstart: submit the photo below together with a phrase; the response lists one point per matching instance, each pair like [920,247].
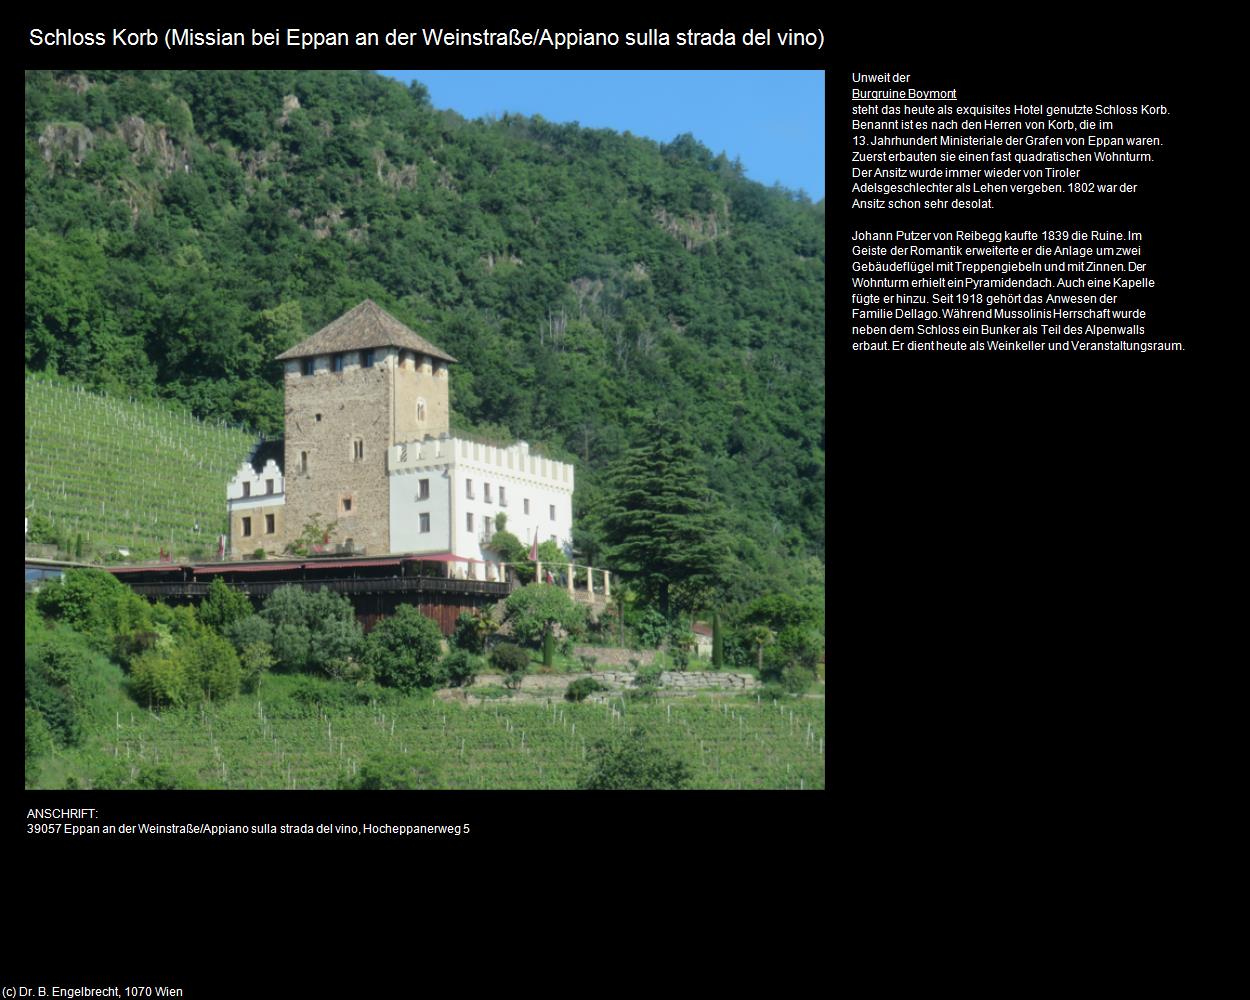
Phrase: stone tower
[353,389]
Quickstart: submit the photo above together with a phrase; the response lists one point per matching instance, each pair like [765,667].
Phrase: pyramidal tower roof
[366,326]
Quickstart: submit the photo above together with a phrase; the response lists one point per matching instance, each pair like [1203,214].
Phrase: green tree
[255,658]
[537,608]
[759,636]
[224,606]
[311,631]
[630,760]
[404,650]
[94,603]
[212,666]
[159,677]
[660,518]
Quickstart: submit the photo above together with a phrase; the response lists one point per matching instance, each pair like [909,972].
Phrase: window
[503,498]
[553,540]
[317,417]
[423,490]
[247,527]
[268,524]
[310,365]
[553,512]
[366,359]
[488,527]
[303,462]
[347,505]
[269,487]
[526,505]
[486,492]
[468,521]
[425,524]
[358,450]
[420,409]
[247,489]
[338,362]
[468,488]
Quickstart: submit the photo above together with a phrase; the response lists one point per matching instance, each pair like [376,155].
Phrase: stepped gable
[366,326]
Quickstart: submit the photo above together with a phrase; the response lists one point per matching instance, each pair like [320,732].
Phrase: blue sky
[773,120]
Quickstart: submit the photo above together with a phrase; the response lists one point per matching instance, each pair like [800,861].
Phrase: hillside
[183,228]
[121,473]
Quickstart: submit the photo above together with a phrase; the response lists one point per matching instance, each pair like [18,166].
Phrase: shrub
[648,625]
[509,659]
[404,650]
[38,741]
[796,680]
[465,635]
[394,771]
[581,688]
[127,647]
[54,704]
[164,776]
[772,691]
[62,655]
[460,668]
[472,631]
[260,554]
[649,676]
[630,761]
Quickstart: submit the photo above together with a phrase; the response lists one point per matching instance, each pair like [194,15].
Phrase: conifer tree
[661,519]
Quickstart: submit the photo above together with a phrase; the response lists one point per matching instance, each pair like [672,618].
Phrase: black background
[1009,574]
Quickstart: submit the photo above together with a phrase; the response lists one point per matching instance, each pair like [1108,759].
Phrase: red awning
[259,566]
[348,563]
[161,568]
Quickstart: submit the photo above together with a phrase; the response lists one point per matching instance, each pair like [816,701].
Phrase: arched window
[420,409]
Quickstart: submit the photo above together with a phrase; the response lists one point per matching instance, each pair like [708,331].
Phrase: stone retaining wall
[672,682]
[615,656]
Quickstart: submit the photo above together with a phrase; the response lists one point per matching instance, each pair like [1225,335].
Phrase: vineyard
[126,474]
[727,742]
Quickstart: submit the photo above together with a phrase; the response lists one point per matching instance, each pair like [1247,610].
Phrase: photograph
[459,430]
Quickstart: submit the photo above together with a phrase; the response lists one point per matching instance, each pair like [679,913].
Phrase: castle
[368,447]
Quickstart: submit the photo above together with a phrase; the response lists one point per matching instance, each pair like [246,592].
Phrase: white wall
[406,534]
[449,462]
[257,481]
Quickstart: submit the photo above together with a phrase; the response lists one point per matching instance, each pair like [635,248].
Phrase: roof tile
[366,326]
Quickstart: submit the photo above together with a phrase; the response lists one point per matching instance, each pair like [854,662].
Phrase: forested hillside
[183,228]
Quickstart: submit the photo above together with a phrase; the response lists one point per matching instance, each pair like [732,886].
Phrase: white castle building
[447,495]
[368,448]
